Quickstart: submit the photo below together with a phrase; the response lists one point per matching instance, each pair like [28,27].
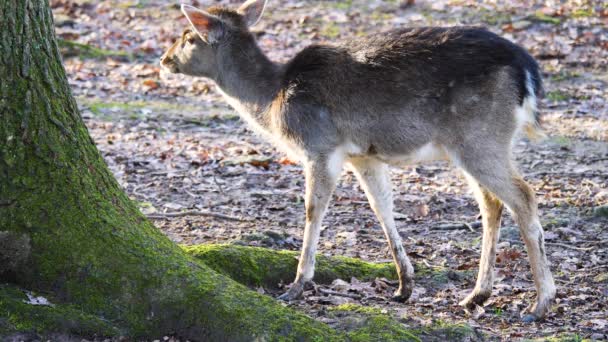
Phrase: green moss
[494,18]
[555,222]
[601,278]
[263,317]
[560,338]
[443,331]
[331,30]
[342,5]
[583,12]
[564,75]
[70,48]
[601,211]
[381,328]
[128,109]
[561,140]
[438,276]
[381,16]
[539,16]
[18,316]
[356,308]
[133,110]
[254,266]
[557,96]
[371,324]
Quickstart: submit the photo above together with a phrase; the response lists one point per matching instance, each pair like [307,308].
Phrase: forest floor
[176,147]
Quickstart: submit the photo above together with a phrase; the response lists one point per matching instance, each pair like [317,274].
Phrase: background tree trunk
[71,232]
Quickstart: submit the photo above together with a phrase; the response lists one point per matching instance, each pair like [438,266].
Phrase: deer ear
[252,11]
[208,26]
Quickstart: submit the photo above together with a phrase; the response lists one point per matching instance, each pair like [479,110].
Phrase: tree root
[255,266]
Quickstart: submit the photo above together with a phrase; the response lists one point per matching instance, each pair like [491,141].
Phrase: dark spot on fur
[372,150]
[541,245]
[310,211]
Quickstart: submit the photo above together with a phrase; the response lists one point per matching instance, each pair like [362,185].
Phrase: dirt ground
[200,173]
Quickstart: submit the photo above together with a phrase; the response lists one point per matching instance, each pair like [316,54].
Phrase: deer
[409,95]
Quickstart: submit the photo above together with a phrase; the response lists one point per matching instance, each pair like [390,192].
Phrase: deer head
[212,38]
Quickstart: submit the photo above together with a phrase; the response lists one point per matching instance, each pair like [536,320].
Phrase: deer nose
[164,59]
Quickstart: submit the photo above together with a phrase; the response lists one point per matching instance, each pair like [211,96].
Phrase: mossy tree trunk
[69,230]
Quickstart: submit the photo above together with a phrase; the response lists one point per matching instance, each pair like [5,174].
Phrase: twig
[587,173]
[162,173]
[591,269]
[600,242]
[568,246]
[453,226]
[517,242]
[429,265]
[593,160]
[340,294]
[137,193]
[219,186]
[190,193]
[166,216]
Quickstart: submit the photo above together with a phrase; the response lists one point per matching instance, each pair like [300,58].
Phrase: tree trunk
[70,231]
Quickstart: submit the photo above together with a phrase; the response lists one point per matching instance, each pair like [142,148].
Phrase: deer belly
[428,152]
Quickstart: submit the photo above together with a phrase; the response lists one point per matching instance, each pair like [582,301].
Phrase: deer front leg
[375,181]
[321,176]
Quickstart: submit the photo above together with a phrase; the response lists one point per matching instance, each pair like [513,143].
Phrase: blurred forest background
[203,177]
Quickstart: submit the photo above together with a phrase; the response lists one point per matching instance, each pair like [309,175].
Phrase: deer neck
[250,82]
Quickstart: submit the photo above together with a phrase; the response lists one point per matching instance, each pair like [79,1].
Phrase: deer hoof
[401,295]
[476,298]
[529,318]
[294,292]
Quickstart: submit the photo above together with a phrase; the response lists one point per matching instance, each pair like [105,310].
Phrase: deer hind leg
[532,232]
[375,181]
[491,210]
[500,178]
[321,176]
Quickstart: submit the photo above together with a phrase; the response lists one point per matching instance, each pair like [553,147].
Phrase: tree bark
[75,235]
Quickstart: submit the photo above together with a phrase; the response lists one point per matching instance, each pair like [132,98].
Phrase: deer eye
[191,40]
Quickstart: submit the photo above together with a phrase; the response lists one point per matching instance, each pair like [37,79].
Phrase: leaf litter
[183,155]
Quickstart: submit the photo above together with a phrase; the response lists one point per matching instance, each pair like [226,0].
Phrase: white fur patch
[289,148]
[524,114]
[428,152]
[335,162]
[243,112]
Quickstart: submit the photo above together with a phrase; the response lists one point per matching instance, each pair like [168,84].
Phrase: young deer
[402,96]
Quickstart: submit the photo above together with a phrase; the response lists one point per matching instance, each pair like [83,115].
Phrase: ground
[204,177]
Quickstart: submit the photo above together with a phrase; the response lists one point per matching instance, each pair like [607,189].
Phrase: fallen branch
[339,294]
[592,269]
[587,173]
[455,226]
[166,216]
[569,246]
